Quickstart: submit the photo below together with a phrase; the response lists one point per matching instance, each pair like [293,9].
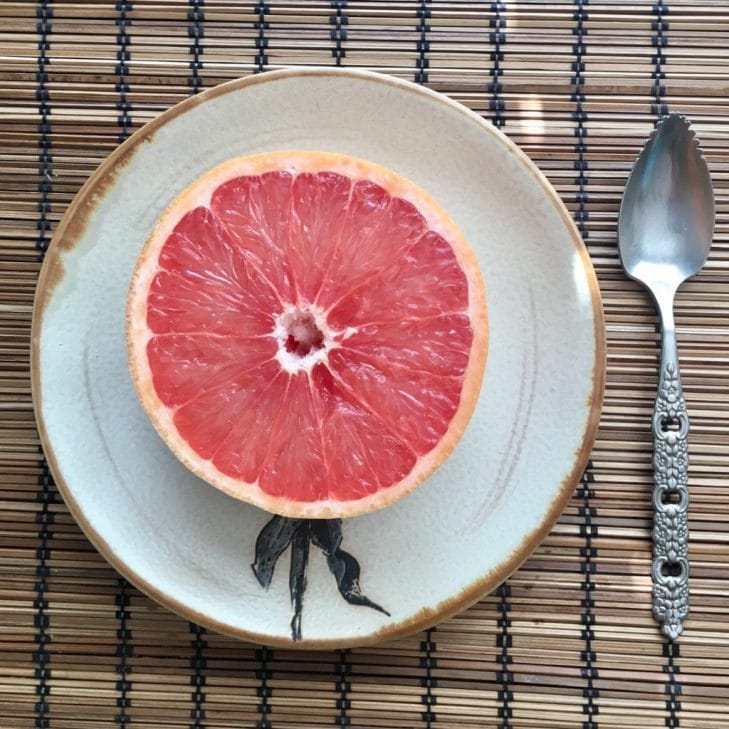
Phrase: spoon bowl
[666,217]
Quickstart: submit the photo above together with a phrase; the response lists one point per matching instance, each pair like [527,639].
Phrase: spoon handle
[670,494]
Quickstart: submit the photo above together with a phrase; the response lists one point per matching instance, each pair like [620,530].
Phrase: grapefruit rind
[139,333]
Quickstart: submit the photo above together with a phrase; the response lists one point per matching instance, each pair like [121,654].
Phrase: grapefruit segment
[362,454]
[416,405]
[240,456]
[295,459]
[307,332]
[427,280]
[186,365]
[376,230]
[207,420]
[256,212]
[205,284]
[320,203]
[438,345]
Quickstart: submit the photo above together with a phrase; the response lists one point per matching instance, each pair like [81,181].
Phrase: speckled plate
[473,522]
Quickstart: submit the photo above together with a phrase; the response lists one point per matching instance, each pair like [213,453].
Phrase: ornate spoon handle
[670,494]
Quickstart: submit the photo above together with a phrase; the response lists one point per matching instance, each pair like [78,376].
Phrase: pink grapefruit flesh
[307,332]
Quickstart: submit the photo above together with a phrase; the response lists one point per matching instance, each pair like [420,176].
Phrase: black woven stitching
[198,664]
[45,495]
[671,652]
[579,115]
[588,566]
[42,638]
[497,38]
[659,108]
[588,529]
[504,676]
[196,33]
[423,45]
[673,687]
[497,107]
[260,60]
[659,41]
[338,19]
[343,686]
[123,57]
[124,651]
[263,656]
[44,14]
[428,662]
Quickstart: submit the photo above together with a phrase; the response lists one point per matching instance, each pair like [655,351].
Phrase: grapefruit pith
[307,331]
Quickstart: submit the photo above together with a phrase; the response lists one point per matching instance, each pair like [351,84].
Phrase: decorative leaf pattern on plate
[327,535]
[272,542]
[297,574]
[280,533]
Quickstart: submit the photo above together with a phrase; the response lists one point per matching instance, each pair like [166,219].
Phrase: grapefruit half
[307,332]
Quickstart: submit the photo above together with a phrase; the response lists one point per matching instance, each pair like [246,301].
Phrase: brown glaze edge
[427,616]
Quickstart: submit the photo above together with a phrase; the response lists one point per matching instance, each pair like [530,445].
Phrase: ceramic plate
[191,547]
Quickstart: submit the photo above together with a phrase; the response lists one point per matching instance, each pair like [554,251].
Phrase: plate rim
[70,230]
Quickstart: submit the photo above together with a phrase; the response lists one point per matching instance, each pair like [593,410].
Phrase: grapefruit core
[307,332]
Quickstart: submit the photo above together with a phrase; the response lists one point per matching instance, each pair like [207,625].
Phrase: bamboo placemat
[569,640]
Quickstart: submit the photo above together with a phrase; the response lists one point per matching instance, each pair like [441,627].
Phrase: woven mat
[569,640]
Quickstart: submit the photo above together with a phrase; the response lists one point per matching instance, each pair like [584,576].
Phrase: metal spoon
[665,229]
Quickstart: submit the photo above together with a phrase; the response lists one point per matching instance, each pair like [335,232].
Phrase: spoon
[665,228]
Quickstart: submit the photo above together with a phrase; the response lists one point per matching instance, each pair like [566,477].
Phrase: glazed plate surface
[476,519]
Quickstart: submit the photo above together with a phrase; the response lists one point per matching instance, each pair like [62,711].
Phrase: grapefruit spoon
[307,332]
